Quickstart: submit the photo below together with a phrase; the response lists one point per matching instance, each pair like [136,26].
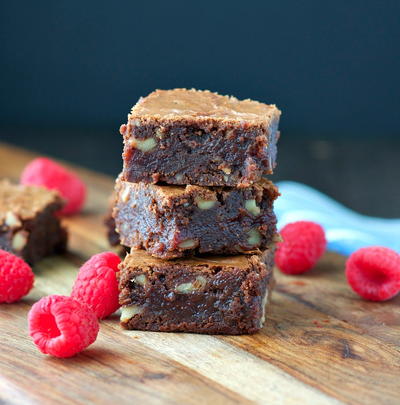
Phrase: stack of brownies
[197,213]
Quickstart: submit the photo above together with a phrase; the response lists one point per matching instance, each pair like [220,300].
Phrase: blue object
[346,230]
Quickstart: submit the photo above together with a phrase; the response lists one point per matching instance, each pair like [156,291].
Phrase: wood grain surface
[321,343]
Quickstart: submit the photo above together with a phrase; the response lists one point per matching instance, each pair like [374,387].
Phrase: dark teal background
[332,66]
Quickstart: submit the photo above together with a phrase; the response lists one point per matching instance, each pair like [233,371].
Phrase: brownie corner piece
[219,295]
[198,137]
[29,226]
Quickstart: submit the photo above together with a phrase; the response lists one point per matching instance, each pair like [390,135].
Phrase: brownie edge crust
[218,295]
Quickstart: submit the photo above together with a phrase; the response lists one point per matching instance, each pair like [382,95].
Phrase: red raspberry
[47,173]
[374,273]
[62,326]
[97,285]
[303,244]
[16,277]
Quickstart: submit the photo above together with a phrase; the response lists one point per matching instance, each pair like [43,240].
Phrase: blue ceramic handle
[346,230]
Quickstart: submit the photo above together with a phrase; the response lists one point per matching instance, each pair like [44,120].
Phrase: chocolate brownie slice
[28,225]
[176,221]
[219,295]
[198,137]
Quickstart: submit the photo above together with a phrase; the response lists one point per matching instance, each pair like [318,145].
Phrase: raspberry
[16,277]
[303,244]
[62,326]
[47,173]
[374,273]
[97,285]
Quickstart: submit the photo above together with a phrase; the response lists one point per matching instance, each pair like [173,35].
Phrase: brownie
[201,138]
[29,227]
[176,221]
[218,295]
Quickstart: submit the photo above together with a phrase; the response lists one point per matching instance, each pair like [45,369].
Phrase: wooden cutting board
[321,343]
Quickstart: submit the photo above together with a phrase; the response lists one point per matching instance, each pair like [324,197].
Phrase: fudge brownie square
[218,295]
[201,138]
[175,221]
[29,226]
